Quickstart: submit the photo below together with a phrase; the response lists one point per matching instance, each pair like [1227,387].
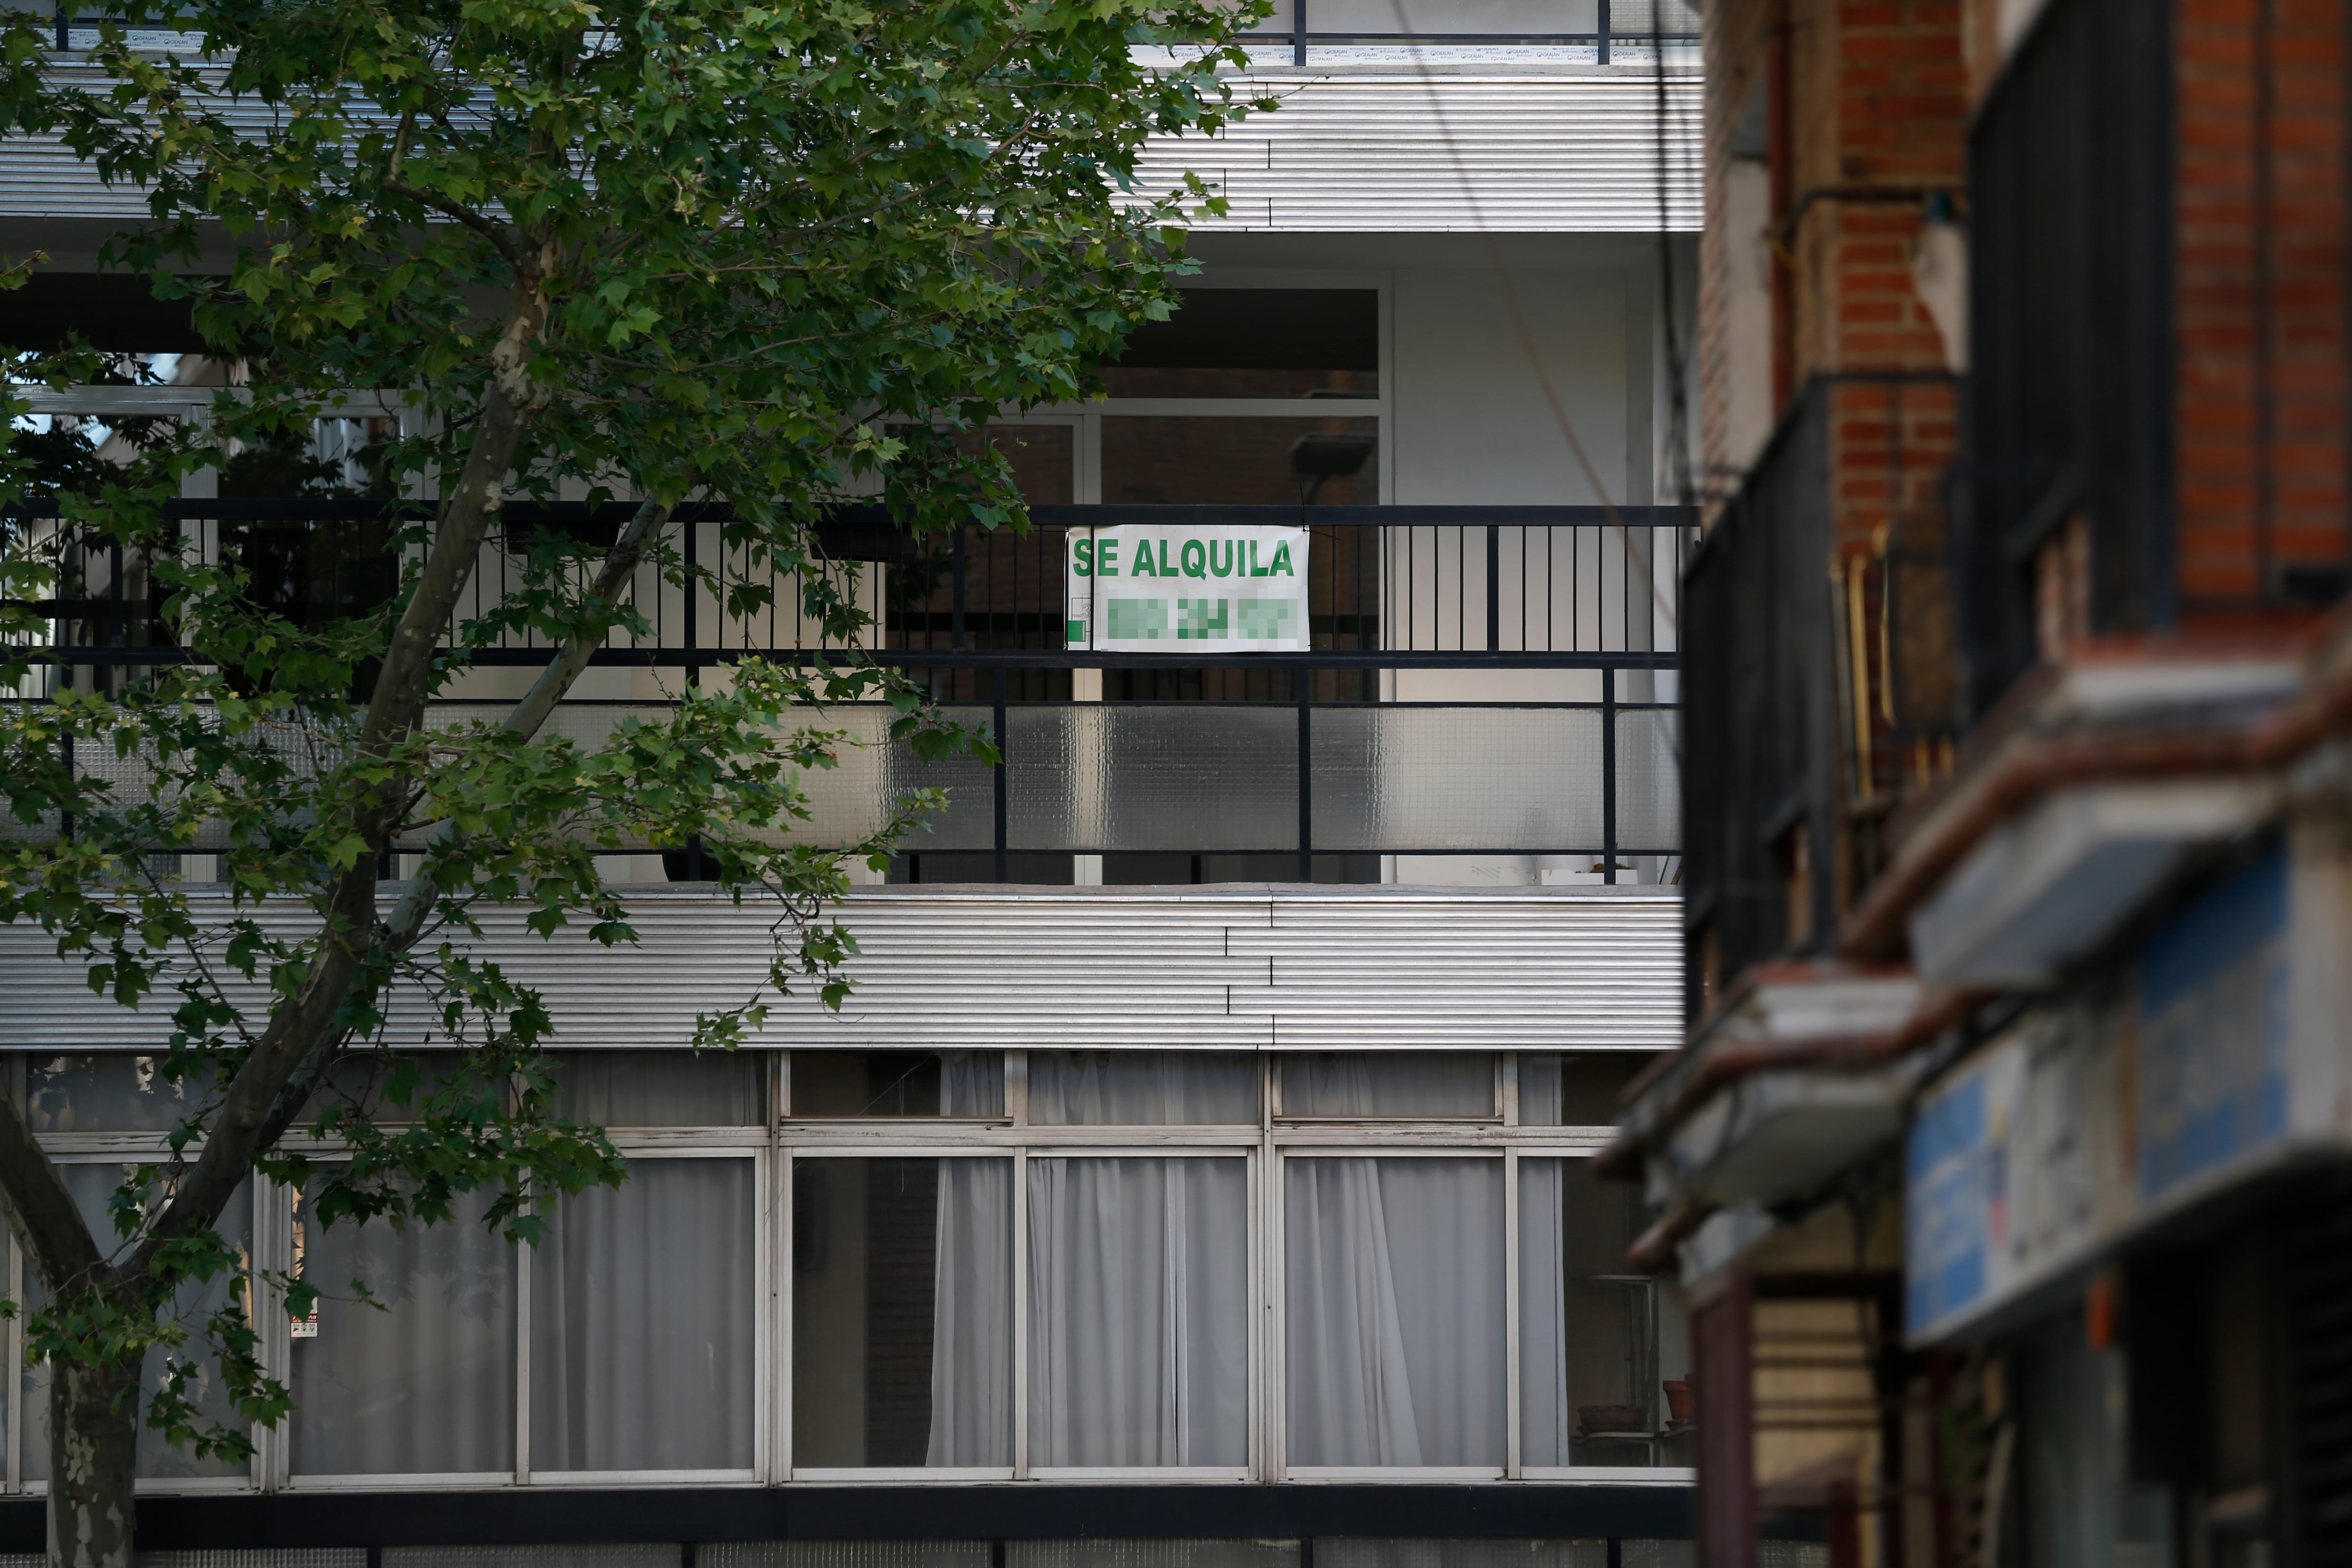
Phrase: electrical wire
[1510,296]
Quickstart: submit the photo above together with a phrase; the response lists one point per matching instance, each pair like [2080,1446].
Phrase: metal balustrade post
[1609,774]
[1003,858]
[1601,26]
[1298,32]
[955,623]
[1494,589]
[1306,679]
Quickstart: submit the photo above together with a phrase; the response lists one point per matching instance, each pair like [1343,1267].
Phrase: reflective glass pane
[93,1185]
[1557,1091]
[424,1385]
[897,1083]
[1604,1352]
[642,1306]
[1267,461]
[1142,1089]
[111,1093]
[1393,1293]
[660,1089]
[1389,1084]
[902,1313]
[1139,1312]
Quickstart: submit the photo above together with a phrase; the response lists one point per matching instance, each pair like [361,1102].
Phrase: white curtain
[1388,1083]
[1544,1411]
[971,1083]
[92,1187]
[659,1089]
[425,1385]
[1139,1312]
[1394,1287]
[1142,1089]
[641,1320]
[972,1316]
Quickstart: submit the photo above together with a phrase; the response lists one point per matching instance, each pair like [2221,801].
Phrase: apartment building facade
[2004,1160]
[1200,1174]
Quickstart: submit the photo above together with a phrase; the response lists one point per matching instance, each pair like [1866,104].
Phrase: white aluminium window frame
[771,1148]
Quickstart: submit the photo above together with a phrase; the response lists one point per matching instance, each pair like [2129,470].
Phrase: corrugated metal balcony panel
[1559,153]
[1562,152]
[1233,968]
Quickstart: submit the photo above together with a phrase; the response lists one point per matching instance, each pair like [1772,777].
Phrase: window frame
[772,1148]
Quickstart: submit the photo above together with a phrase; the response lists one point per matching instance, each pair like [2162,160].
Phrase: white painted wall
[1469,418]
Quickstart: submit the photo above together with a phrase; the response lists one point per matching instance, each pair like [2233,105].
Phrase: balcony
[1819,668]
[1490,685]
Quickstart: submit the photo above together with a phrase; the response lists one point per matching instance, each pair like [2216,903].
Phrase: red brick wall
[1875,94]
[2261,383]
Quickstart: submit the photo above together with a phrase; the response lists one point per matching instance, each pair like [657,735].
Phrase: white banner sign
[1181,588]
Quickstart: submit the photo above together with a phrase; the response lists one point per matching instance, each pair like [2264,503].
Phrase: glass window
[902,1313]
[426,1383]
[898,1083]
[1142,1089]
[641,1305]
[1138,1316]
[92,1187]
[1351,1085]
[1604,1352]
[1203,460]
[1393,1286]
[659,1089]
[1256,342]
[111,1093]
[1557,1091]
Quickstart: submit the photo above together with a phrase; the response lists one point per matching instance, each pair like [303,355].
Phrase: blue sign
[2213,1029]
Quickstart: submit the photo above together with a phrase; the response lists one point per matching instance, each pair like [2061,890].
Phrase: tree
[757,257]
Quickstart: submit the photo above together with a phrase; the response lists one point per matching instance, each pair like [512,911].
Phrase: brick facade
[2260,329]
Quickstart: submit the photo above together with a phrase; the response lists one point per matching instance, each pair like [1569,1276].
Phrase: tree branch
[41,1211]
[309,1017]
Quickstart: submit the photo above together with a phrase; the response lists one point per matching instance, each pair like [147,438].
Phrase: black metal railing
[1678,24]
[1389,735]
[1819,668]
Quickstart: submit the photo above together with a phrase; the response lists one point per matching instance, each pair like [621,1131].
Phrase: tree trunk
[93,1462]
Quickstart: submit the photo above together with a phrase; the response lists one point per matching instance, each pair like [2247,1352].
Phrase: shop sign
[1185,588]
[2214,1069]
[2001,1186]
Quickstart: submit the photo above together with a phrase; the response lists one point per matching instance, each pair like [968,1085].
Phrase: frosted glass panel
[852,799]
[842,1554]
[1395,780]
[1098,777]
[1151,1554]
[847,800]
[630,1554]
[1649,781]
